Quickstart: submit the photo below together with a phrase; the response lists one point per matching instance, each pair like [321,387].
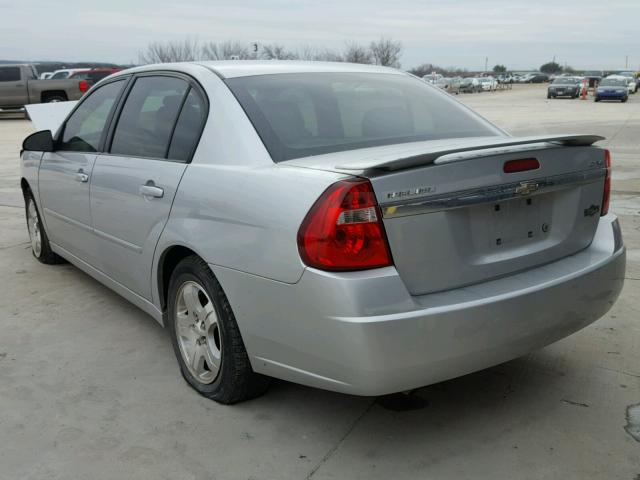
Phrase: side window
[148,116]
[187,131]
[9,74]
[83,130]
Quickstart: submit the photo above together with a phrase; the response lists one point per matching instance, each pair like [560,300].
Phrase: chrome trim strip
[490,194]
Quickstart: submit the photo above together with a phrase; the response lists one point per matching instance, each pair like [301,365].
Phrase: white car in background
[632,87]
[66,72]
[45,75]
[489,84]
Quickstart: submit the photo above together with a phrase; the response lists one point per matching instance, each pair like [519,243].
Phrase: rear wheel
[206,338]
[40,247]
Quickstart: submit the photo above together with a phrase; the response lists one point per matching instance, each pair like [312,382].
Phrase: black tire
[54,97]
[45,254]
[235,381]
[596,99]
[625,99]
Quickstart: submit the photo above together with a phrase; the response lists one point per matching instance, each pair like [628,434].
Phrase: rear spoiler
[424,154]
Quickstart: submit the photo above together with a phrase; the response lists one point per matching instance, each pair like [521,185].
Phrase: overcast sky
[520,34]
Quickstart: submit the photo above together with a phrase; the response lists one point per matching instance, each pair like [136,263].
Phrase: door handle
[82,177]
[151,191]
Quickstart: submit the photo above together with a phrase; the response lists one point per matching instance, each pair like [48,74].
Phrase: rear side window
[187,131]
[84,128]
[148,117]
[60,75]
[298,115]
[9,74]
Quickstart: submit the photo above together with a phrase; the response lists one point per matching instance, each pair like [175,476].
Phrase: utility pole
[626,62]
[486,63]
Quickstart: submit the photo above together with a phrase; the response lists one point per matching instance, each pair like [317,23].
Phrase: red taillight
[606,196]
[521,165]
[343,230]
[83,86]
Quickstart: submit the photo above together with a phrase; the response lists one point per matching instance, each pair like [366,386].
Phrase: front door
[65,174]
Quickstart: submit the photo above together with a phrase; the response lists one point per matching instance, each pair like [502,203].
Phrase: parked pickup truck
[19,86]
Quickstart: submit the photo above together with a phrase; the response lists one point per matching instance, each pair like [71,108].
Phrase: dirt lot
[89,387]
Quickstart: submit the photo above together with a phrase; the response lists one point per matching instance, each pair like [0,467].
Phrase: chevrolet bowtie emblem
[526,188]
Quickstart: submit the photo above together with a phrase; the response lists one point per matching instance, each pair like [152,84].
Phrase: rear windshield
[299,115]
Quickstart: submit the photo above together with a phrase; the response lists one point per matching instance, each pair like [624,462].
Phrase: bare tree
[277,52]
[356,53]
[315,54]
[225,51]
[424,69]
[386,52]
[174,51]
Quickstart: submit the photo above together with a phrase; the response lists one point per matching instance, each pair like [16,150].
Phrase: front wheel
[40,247]
[206,338]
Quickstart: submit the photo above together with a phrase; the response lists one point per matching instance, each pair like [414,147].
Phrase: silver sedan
[343,226]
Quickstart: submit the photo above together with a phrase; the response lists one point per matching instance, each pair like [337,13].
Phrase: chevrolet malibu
[346,227]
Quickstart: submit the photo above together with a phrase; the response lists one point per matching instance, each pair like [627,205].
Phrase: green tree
[551,67]
[499,69]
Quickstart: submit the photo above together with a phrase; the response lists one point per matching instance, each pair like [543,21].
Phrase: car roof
[245,68]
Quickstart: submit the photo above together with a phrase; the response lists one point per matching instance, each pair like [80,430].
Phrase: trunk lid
[456,218]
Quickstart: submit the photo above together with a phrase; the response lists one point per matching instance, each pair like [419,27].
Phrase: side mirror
[41,141]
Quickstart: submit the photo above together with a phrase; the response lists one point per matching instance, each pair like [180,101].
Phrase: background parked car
[65,72]
[94,75]
[538,78]
[432,78]
[631,78]
[470,85]
[45,75]
[448,84]
[565,87]
[489,84]
[612,89]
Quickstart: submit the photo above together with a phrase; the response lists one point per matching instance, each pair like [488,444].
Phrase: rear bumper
[362,333]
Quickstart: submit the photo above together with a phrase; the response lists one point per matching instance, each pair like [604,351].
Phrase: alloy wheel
[33,225]
[198,332]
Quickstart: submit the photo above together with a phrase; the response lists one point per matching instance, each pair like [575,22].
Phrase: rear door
[133,185]
[13,88]
[65,173]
